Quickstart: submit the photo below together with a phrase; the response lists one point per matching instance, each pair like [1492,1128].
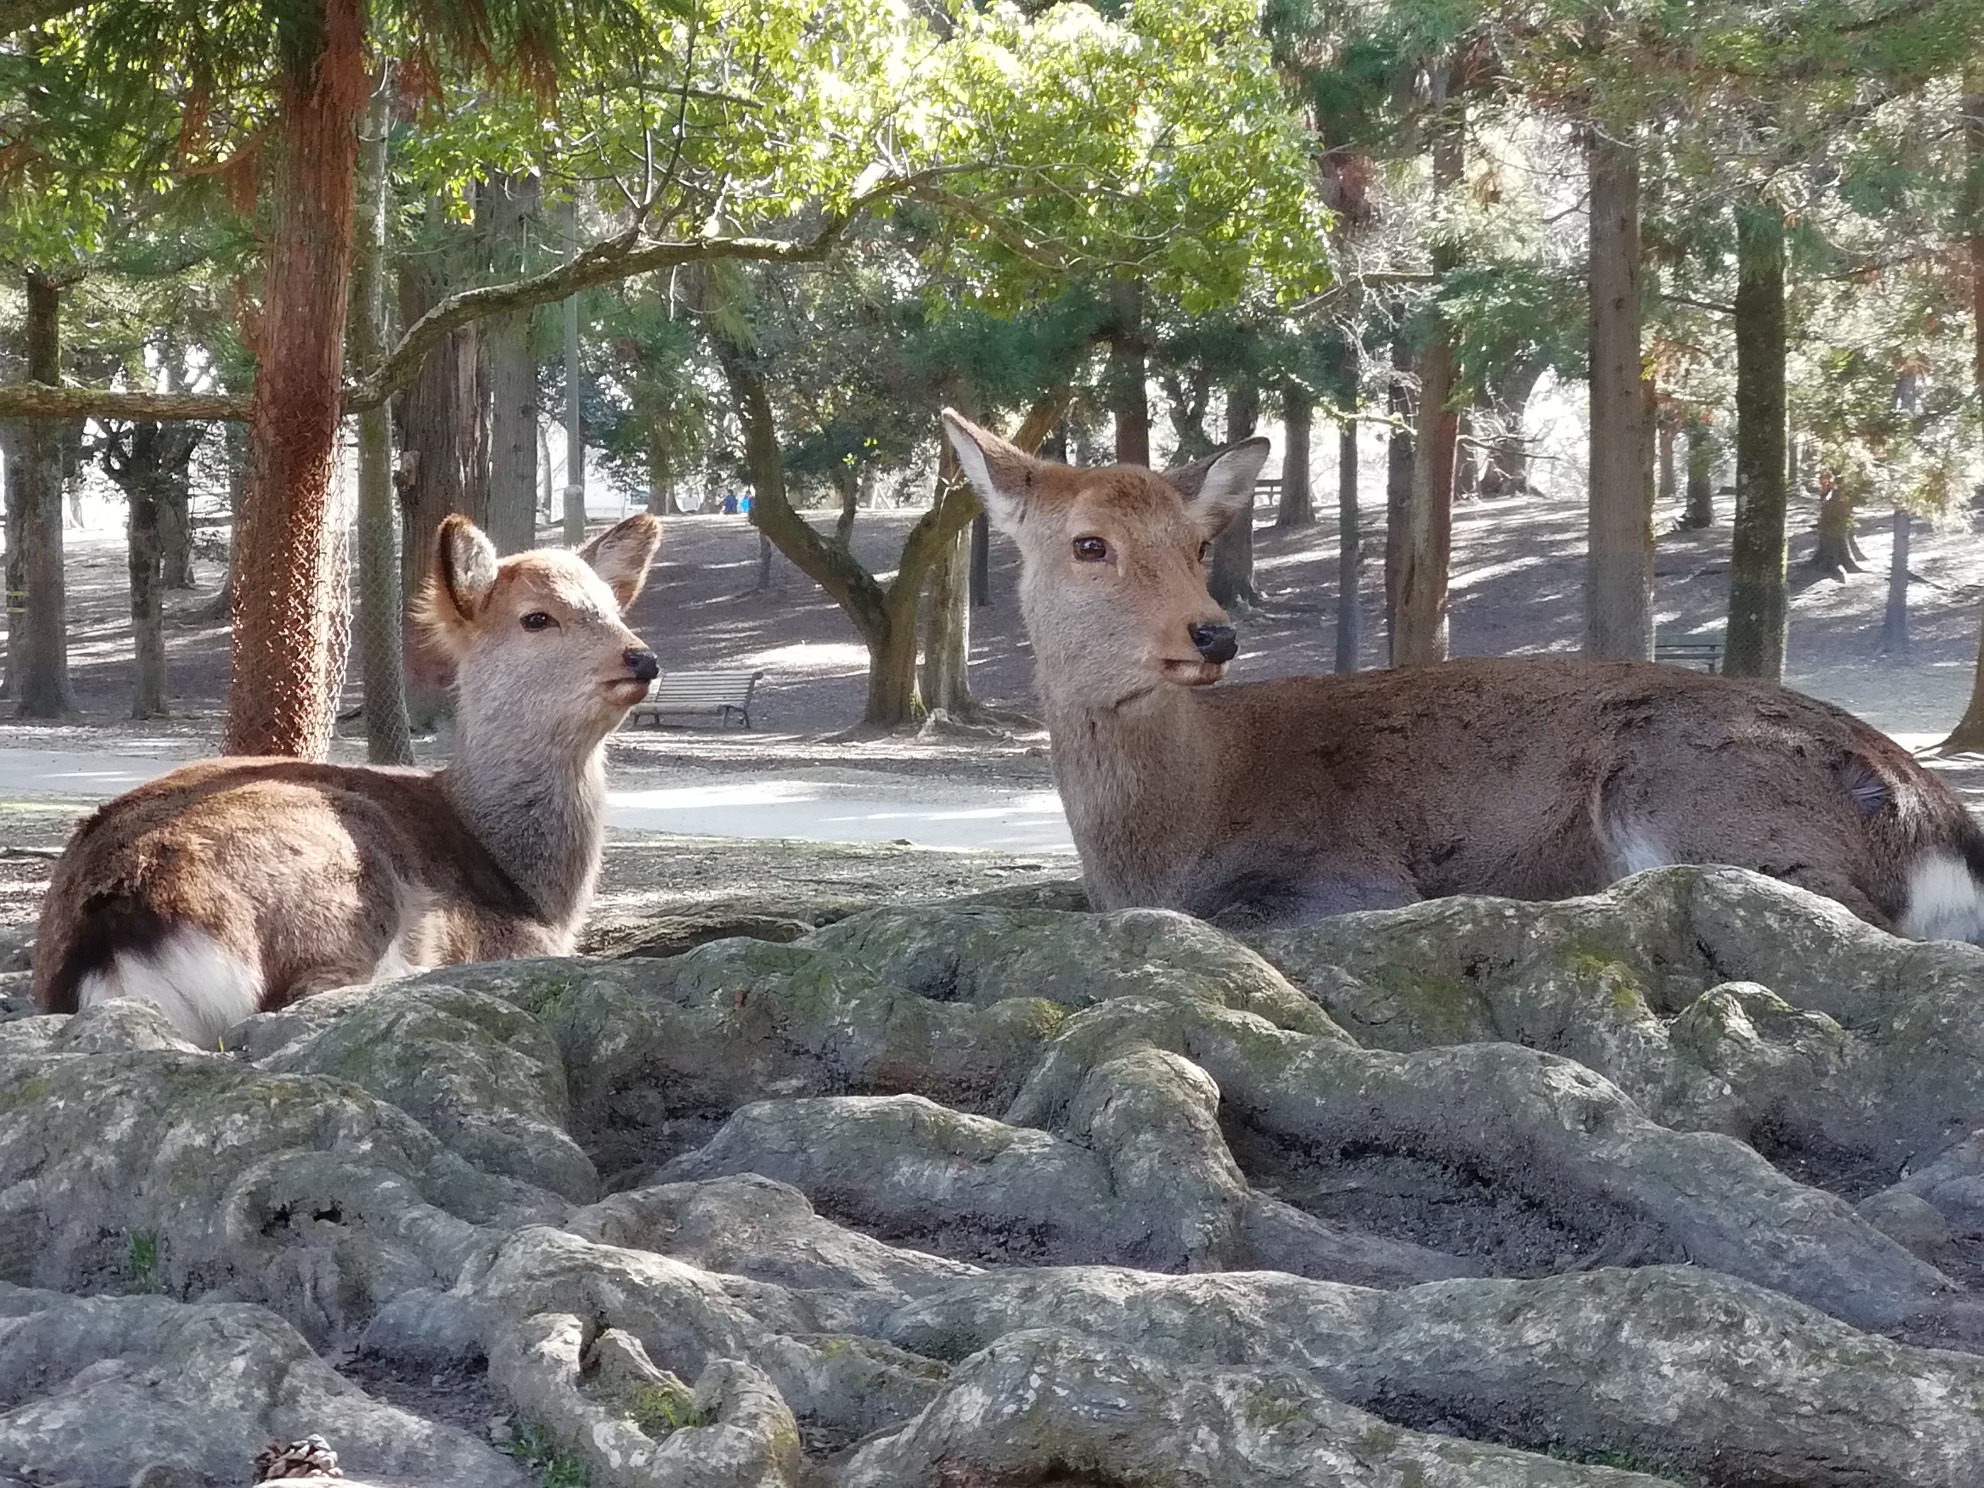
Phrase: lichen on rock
[1676,1184]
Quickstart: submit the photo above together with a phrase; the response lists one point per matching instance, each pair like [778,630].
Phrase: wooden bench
[721,693]
[1267,490]
[1703,650]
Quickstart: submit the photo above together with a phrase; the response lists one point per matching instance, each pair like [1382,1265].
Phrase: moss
[659,1411]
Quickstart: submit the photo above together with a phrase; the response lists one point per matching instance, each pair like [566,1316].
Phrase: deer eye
[1091,550]
[536,620]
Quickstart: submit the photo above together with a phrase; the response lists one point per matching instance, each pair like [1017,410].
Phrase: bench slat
[721,693]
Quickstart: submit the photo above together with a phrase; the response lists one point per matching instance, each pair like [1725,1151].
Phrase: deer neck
[1137,783]
[537,803]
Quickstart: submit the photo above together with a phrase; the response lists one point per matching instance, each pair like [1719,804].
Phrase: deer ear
[459,582]
[1219,487]
[621,555]
[1003,476]
[464,567]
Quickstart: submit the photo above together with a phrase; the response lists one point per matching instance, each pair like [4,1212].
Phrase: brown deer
[1288,800]
[235,886]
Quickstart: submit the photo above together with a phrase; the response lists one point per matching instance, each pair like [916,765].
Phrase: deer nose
[1216,643]
[642,664]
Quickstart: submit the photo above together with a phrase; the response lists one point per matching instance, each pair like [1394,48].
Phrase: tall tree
[1230,572]
[1754,646]
[1298,496]
[290,604]
[388,732]
[1618,597]
[1420,630]
[508,340]
[1129,397]
[40,657]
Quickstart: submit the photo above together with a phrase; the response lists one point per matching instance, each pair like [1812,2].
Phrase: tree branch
[39,400]
[615,258]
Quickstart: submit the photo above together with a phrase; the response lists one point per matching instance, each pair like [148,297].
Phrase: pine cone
[310,1458]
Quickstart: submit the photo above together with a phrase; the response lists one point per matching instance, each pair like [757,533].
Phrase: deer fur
[1287,800]
[235,886]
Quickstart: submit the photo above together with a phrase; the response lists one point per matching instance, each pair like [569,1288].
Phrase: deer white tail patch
[1635,849]
[1944,901]
[202,988]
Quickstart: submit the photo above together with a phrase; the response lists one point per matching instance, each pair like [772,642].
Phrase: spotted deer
[1286,800]
[235,886]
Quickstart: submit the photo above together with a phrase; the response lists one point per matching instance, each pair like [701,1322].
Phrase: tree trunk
[11,444]
[1757,603]
[147,576]
[1835,553]
[1969,732]
[1700,511]
[1507,472]
[1421,632]
[848,484]
[512,376]
[388,732]
[1895,644]
[1399,462]
[1349,544]
[1129,399]
[443,467]
[981,561]
[41,665]
[290,601]
[947,632]
[1618,584]
[1298,497]
[175,536]
[1666,430]
[1230,575]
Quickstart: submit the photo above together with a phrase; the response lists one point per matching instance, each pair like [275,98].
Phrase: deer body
[234,886]
[1287,800]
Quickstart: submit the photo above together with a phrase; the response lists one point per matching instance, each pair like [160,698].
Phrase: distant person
[744,505]
[730,505]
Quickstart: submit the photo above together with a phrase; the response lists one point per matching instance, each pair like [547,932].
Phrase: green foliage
[549,1465]
[143,1258]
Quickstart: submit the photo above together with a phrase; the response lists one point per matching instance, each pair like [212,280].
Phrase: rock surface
[1679,1184]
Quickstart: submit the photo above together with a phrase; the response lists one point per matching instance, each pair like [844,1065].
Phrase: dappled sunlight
[837,658]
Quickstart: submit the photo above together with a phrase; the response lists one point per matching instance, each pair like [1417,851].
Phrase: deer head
[1112,563]
[536,638]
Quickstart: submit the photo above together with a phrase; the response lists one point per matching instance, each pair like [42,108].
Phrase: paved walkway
[807,805]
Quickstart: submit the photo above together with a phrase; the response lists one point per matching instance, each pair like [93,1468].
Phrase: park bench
[721,693]
[1703,650]
[1267,491]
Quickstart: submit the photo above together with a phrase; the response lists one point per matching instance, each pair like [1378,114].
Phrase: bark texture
[1618,590]
[513,431]
[1969,731]
[1895,644]
[290,598]
[1757,599]
[1349,546]
[388,731]
[1420,626]
[1399,462]
[40,655]
[1700,508]
[1129,397]
[1298,496]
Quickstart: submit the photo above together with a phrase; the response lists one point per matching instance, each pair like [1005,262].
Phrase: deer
[238,885]
[1282,801]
